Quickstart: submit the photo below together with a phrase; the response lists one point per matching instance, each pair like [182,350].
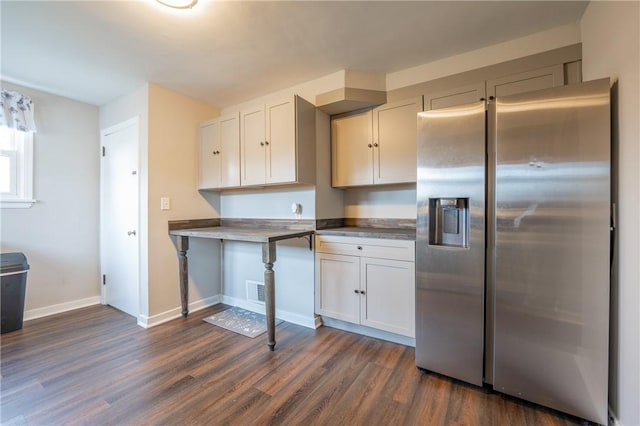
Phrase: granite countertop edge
[386,233]
[380,228]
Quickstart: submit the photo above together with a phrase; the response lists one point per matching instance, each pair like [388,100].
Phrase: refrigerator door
[552,248]
[450,241]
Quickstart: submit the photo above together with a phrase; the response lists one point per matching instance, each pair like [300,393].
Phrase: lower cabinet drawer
[367,247]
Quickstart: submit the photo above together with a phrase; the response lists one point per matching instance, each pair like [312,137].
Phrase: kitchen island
[266,236]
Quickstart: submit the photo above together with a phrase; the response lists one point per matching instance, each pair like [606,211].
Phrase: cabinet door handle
[361,291]
[375,145]
[369,145]
[261,143]
[356,291]
[266,142]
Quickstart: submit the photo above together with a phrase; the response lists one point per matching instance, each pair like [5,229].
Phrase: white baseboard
[152,321]
[303,320]
[368,331]
[61,307]
[613,420]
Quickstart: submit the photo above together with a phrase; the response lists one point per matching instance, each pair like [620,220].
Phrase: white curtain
[16,111]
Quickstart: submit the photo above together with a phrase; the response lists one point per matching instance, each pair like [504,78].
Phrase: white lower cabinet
[377,292]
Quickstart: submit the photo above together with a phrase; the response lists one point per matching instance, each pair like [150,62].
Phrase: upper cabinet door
[230,150]
[455,97]
[394,141]
[253,147]
[219,160]
[281,142]
[542,78]
[352,149]
[209,160]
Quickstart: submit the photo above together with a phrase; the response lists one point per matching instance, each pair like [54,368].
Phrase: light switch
[165,203]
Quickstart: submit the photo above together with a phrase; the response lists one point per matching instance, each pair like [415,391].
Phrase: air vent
[255,291]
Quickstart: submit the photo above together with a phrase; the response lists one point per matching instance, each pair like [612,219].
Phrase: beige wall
[59,233]
[173,172]
[611,48]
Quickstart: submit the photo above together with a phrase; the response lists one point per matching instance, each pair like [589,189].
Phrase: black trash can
[13,283]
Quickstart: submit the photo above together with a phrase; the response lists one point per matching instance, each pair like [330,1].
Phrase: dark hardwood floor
[95,366]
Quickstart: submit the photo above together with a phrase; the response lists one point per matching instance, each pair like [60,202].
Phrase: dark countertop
[354,231]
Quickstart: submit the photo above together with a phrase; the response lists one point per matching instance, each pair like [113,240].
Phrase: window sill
[16,204]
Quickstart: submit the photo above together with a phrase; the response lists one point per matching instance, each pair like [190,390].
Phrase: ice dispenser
[449,222]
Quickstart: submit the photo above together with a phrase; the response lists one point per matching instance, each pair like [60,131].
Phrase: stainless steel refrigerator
[512,251]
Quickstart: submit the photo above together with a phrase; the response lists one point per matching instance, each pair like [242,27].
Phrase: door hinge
[104,151]
[104,279]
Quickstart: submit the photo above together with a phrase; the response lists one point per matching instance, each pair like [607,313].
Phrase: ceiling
[227,52]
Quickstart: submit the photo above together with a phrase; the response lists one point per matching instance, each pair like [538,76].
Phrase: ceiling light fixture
[178,4]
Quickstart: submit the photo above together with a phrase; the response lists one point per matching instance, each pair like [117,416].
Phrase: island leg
[268,258]
[183,246]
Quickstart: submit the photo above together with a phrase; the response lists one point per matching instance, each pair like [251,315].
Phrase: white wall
[59,233]
[268,203]
[294,275]
[611,48]
[397,202]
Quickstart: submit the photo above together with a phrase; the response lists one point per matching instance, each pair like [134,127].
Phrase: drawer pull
[359,247]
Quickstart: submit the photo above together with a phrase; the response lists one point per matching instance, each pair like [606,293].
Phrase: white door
[119,217]
[209,160]
[388,295]
[394,141]
[339,286]
[281,135]
[253,147]
[230,150]
[352,149]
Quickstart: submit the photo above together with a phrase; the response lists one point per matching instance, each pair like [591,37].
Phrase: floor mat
[241,321]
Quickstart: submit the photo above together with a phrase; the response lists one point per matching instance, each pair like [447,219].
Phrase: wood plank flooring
[95,366]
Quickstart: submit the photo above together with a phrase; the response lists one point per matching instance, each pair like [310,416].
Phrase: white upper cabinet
[394,141]
[541,78]
[278,143]
[376,146]
[219,159]
[454,97]
[351,149]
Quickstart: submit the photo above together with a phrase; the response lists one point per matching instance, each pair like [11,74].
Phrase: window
[16,168]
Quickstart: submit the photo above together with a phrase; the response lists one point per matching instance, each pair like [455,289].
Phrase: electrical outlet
[296,208]
[165,203]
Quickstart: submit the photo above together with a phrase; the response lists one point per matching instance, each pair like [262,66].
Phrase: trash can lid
[13,262]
